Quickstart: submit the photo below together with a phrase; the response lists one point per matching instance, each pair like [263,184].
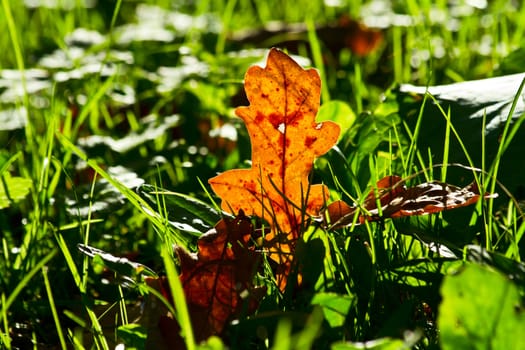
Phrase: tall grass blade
[446,148]
[5,339]
[179,299]
[26,279]
[318,58]
[54,312]
[99,337]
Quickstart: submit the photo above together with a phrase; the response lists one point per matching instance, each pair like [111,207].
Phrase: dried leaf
[397,201]
[285,141]
[218,278]
[360,39]
[346,32]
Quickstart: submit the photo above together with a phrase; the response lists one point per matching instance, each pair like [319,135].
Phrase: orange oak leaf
[397,200]
[286,139]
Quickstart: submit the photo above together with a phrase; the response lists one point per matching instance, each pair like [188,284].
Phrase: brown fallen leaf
[217,281]
[286,139]
[397,200]
[221,273]
[345,32]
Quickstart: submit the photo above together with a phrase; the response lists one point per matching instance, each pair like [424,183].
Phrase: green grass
[105,120]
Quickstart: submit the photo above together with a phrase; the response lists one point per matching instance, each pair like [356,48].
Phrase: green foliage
[335,307]
[184,212]
[133,335]
[339,112]
[481,308]
[114,113]
[13,189]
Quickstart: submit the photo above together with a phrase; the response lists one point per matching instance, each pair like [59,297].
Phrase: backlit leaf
[13,189]
[285,139]
[339,112]
[335,307]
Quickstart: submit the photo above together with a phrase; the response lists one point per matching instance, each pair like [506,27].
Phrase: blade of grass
[306,337]
[92,104]
[10,161]
[29,132]
[504,143]
[317,54]
[179,298]
[99,338]
[122,306]
[397,42]
[76,337]
[454,131]
[358,84]
[343,272]
[446,148]
[513,249]
[408,164]
[4,336]
[475,215]
[374,178]
[25,281]
[283,335]
[75,318]
[413,137]
[51,300]
[17,48]
[227,15]
[85,262]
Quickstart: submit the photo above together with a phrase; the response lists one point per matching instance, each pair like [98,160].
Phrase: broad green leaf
[153,128]
[421,272]
[13,189]
[515,270]
[335,307]
[133,335]
[374,134]
[106,197]
[375,130]
[124,267]
[337,111]
[184,212]
[478,112]
[481,309]
[513,63]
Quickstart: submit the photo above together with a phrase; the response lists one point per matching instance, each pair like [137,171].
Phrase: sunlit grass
[39,243]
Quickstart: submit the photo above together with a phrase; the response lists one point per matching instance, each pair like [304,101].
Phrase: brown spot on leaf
[308,142]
